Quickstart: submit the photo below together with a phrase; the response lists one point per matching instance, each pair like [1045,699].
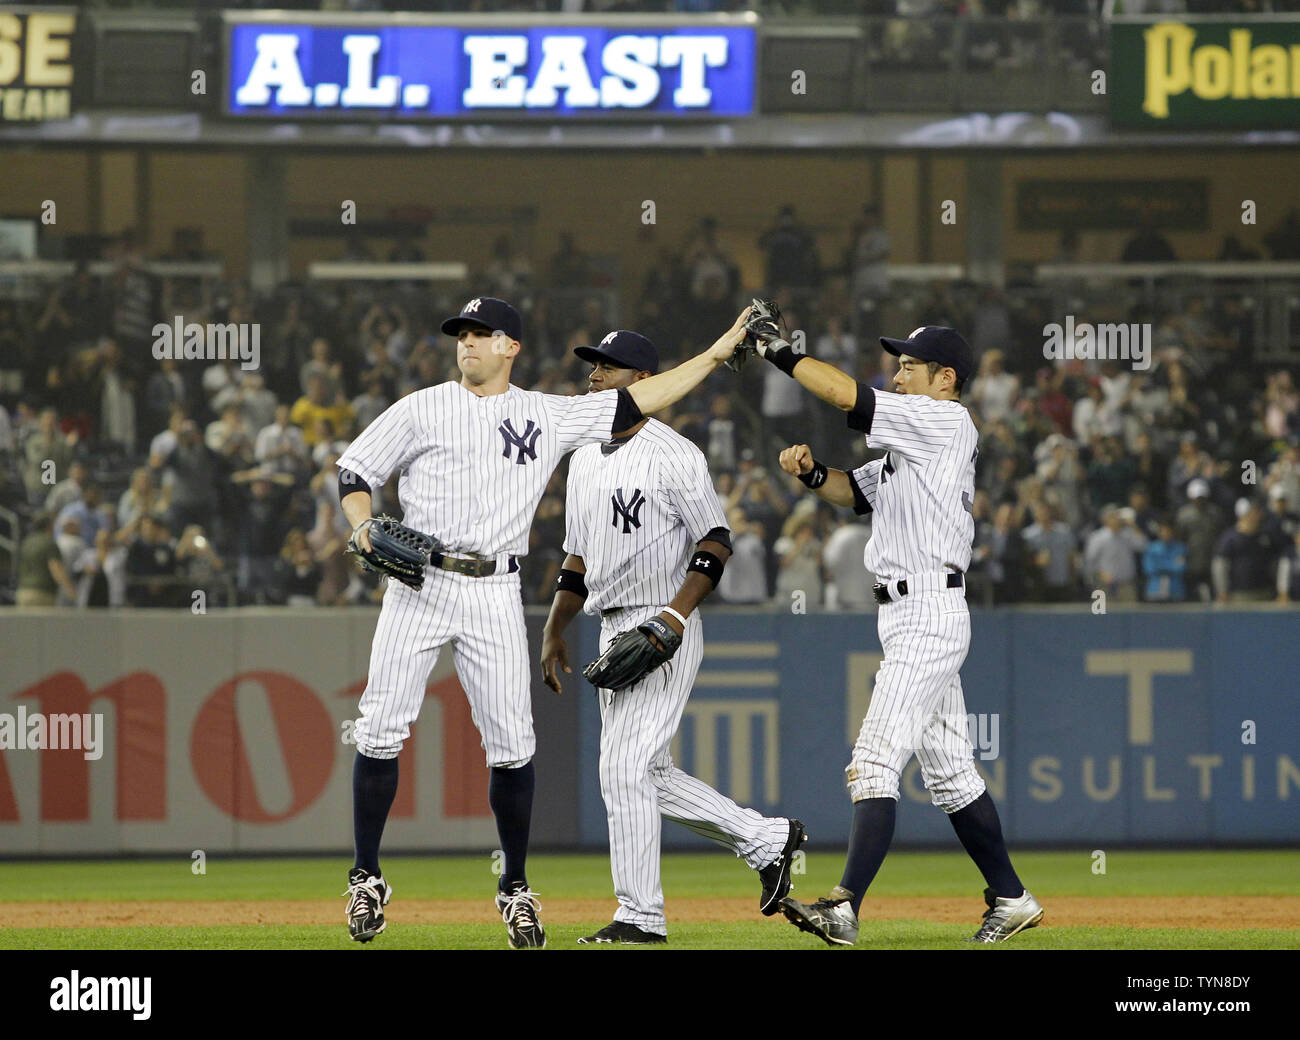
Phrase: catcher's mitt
[633,655]
[762,334]
[396,550]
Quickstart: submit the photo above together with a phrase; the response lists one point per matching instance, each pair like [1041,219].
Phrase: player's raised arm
[667,388]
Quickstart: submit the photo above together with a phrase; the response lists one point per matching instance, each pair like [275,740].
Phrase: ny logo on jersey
[526,442]
[629,511]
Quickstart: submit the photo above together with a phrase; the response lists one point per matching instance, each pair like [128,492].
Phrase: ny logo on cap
[911,335]
[608,339]
[629,512]
[472,306]
[526,442]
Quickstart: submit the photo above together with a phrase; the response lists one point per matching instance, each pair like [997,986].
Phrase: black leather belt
[470,568]
[881,589]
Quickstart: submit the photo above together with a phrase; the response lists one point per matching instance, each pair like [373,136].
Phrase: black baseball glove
[633,655]
[396,550]
[763,335]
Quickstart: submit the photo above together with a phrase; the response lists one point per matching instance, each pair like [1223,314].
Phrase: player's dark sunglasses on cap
[625,349]
[935,343]
[489,313]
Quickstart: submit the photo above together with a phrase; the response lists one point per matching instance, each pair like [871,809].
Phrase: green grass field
[1155,879]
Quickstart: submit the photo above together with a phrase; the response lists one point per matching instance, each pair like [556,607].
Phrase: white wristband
[669,610]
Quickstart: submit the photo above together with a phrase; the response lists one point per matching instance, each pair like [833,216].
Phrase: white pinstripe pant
[483,619]
[640,784]
[917,706]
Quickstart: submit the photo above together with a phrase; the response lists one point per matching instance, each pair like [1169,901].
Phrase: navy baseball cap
[935,343]
[488,312]
[623,348]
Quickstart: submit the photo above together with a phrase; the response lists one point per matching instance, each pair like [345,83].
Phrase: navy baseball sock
[510,793]
[980,831]
[873,830]
[374,786]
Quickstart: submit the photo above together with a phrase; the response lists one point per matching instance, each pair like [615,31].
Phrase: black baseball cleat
[519,907]
[367,897]
[776,875]
[624,934]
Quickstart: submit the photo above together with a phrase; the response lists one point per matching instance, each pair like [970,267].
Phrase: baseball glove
[762,333]
[633,655]
[396,550]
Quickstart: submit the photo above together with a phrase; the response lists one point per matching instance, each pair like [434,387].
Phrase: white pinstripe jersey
[474,468]
[635,513]
[922,492]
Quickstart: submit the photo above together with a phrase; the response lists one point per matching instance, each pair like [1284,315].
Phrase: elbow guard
[571,581]
[704,562]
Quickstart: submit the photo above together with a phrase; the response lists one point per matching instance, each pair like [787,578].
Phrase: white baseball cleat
[1006,917]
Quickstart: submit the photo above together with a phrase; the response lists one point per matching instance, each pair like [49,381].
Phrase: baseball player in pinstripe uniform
[920,496]
[644,528]
[474,457]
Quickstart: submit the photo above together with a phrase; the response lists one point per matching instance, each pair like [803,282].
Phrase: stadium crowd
[139,481]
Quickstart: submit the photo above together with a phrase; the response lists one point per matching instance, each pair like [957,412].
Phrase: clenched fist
[797,460]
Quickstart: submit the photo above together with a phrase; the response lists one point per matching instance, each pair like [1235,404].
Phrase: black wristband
[785,358]
[350,482]
[816,476]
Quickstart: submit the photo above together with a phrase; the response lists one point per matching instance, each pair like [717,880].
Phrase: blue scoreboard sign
[299,70]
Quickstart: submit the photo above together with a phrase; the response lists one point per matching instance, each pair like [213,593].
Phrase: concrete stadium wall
[228,732]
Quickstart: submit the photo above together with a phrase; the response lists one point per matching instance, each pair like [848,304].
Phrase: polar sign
[437,72]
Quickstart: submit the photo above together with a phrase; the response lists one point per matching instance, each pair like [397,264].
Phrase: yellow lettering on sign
[1211,73]
[11,55]
[1240,41]
[1269,71]
[49,46]
[1169,49]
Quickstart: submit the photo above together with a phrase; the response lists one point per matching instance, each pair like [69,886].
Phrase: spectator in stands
[230,440]
[218,377]
[745,579]
[47,453]
[762,502]
[141,498]
[323,367]
[1199,525]
[721,436]
[1110,473]
[72,550]
[368,405]
[297,573]
[837,346]
[328,539]
[263,522]
[318,405]
[1284,473]
[1245,559]
[1051,401]
[1145,518]
[790,255]
[713,277]
[1110,555]
[1279,522]
[164,441]
[292,339]
[68,490]
[150,565]
[799,552]
[197,561]
[1061,474]
[255,402]
[1148,245]
[41,573]
[1005,561]
[569,267]
[165,390]
[116,395]
[1164,566]
[90,517]
[1093,418]
[1001,482]
[1288,572]
[1283,241]
[281,446]
[509,273]
[1280,405]
[866,262]
[850,582]
[1052,557]
[192,474]
[994,390]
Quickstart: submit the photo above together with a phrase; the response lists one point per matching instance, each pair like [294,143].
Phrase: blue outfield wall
[1132,727]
